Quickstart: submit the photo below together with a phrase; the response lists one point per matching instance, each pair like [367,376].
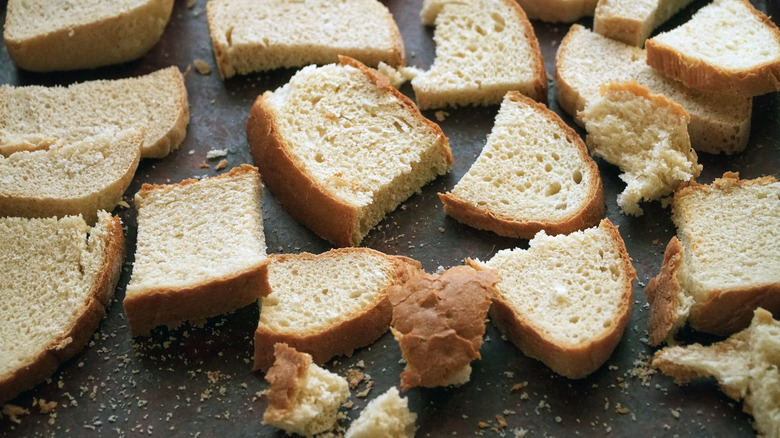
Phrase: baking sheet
[197,381]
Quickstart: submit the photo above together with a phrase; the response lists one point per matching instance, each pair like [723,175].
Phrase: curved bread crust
[558,11]
[540,82]
[172,139]
[284,378]
[663,292]
[75,337]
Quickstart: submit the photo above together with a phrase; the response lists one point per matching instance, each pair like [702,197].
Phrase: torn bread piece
[632,21]
[385,416]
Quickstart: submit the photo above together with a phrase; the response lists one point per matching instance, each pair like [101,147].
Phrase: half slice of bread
[340,147]
[329,304]
[533,174]
[45,35]
[745,365]
[72,270]
[385,416]
[727,47]
[726,262]
[644,134]
[35,117]
[201,250]
[484,48]
[632,21]
[587,60]
[250,36]
[565,300]
[70,179]
[555,11]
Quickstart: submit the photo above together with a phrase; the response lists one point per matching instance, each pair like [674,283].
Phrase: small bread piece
[644,134]
[726,262]
[250,36]
[201,250]
[302,397]
[745,365]
[484,48]
[565,300]
[587,60]
[727,47]
[70,179]
[558,11]
[439,321]
[328,304]
[35,117]
[385,416]
[45,35]
[632,21]
[340,147]
[533,174]
[73,270]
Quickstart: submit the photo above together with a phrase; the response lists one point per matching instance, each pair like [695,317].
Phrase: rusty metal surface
[198,380]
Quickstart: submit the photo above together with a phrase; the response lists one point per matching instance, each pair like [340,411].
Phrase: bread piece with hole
[385,416]
[533,174]
[632,21]
[558,11]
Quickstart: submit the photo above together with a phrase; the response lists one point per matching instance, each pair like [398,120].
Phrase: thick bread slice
[644,134]
[727,47]
[70,179]
[201,250]
[484,48]
[45,35]
[566,299]
[329,304]
[385,416]
[35,117]
[250,36]
[632,21]
[586,60]
[533,174]
[558,11]
[745,365]
[726,262]
[340,147]
[73,270]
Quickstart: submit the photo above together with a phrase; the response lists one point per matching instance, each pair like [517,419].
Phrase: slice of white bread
[328,304]
[646,136]
[201,250]
[439,321]
[632,21]
[35,117]
[302,397]
[250,36]
[566,300]
[533,174]
[385,416]
[70,179]
[340,147]
[484,48]
[745,365]
[72,270]
[45,35]
[727,47]
[586,60]
[558,11]
[726,262]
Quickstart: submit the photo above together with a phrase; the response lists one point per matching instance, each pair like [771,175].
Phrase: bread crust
[558,11]
[159,148]
[284,380]
[663,293]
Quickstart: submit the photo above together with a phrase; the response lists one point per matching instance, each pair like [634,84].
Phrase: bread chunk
[558,11]
[385,416]
[632,21]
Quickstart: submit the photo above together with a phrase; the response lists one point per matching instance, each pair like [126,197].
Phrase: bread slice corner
[632,22]
[558,11]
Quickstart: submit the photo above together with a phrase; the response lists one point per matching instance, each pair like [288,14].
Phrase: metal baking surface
[198,381]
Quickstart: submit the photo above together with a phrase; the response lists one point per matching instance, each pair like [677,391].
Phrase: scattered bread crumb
[354,377]
[441,115]
[13,412]
[46,407]
[223,163]
[190,4]
[204,165]
[216,153]
[501,421]
[123,204]
[202,66]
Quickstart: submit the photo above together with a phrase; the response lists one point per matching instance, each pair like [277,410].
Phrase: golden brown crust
[663,293]
[570,100]
[537,62]
[175,136]
[558,11]
[638,90]
[623,29]
[284,379]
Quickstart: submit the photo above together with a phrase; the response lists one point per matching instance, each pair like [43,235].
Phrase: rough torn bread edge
[669,304]
[284,379]
[558,11]
[75,337]
[159,148]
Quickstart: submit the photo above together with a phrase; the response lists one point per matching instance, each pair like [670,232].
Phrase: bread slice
[556,11]
[73,270]
[644,134]
[745,365]
[42,35]
[250,36]
[632,21]
[35,117]
[385,416]
[726,262]
[302,397]
[340,147]
[533,174]
[586,60]
[439,321]
[329,304]
[201,250]
[484,48]
[565,300]
[70,179]
[727,47]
